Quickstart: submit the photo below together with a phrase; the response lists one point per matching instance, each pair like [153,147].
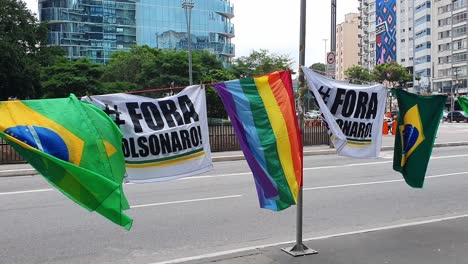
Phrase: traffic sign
[331,57]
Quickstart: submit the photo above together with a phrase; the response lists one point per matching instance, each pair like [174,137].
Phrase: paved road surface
[219,212]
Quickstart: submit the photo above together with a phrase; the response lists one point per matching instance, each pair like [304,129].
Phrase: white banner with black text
[354,114]
[163,139]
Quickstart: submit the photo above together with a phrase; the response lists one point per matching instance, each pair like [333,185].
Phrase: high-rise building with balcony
[422,17]
[367,44]
[450,46]
[98,28]
[90,28]
[404,34]
[162,24]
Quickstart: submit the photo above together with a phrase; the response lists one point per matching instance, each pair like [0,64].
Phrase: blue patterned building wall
[385,31]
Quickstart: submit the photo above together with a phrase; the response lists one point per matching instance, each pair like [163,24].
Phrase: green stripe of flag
[268,141]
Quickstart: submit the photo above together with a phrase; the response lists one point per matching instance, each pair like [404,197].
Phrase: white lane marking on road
[213,176]
[187,201]
[32,170]
[361,231]
[29,191]
[315,168]
[380,182]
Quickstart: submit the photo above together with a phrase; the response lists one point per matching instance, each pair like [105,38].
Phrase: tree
[21,37]
[260,62]
[393,73]
[357,74]
[80,77]
[214,104]
[127,67]
[319,68]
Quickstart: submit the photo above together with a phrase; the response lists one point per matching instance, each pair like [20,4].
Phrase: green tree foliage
[318,68]
[357,75]
[392,72]
[215,105]
[127,67]
[260,62]
[80,77]
[20,39]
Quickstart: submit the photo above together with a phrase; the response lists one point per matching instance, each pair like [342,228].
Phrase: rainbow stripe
[263,114]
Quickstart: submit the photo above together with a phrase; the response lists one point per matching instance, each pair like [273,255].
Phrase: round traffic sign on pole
[331,57]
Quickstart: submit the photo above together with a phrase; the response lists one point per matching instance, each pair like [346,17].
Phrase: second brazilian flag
[418,122]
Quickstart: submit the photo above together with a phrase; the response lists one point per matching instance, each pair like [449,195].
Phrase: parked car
[456,116]
[444,115]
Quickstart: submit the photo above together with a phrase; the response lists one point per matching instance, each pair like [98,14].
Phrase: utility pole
[187,5]
[299,249]
[333,33]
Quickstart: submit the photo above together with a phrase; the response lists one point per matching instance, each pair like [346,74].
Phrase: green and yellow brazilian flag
[75,146]
[463,101]
[418,122]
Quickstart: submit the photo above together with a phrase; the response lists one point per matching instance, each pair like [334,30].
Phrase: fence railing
[222,138]
[8,155]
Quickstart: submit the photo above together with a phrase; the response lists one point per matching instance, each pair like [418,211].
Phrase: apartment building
[449,49]
[404,34]
[367,34]
[347,45]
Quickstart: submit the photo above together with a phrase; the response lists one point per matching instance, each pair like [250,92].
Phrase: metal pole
[300,249]
[187,6]
[326,61]
[333,34]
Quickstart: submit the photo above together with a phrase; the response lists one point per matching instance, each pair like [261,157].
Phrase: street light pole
[299,249]
[187,5]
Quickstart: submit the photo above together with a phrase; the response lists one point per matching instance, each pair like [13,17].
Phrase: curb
[18,172]
[32,172]
[333,151]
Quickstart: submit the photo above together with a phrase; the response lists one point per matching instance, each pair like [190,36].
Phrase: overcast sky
[274,25]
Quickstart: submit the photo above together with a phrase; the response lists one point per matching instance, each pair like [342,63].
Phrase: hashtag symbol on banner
[325,95]
[115,112]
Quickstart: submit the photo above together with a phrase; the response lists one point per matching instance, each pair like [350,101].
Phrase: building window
[459,44]
[459,58]
[459,18]
[459,31]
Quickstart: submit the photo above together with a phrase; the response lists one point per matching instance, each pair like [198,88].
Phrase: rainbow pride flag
[263,115]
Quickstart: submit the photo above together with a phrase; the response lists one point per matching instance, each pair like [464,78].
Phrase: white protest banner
[354,114]
[164,138]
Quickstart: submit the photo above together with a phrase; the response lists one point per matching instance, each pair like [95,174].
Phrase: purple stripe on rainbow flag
[262,113]
[268,189]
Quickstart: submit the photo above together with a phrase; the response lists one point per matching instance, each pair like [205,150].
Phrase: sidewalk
[24,169]
[423,242]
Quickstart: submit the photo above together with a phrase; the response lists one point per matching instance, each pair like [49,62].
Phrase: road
[219,211]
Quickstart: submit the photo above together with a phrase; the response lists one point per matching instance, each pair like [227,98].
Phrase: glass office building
[90,28]
[162,24]
[97,28]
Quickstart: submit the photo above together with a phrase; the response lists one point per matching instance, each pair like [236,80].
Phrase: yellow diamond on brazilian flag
[75,146]
[418,122]
[411,132]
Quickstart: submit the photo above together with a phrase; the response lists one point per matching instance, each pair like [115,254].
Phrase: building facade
[450,64]
[162,24]
[367,35]
[90,28]
[404,34]
[347,45]
[98,28]
[422,17]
